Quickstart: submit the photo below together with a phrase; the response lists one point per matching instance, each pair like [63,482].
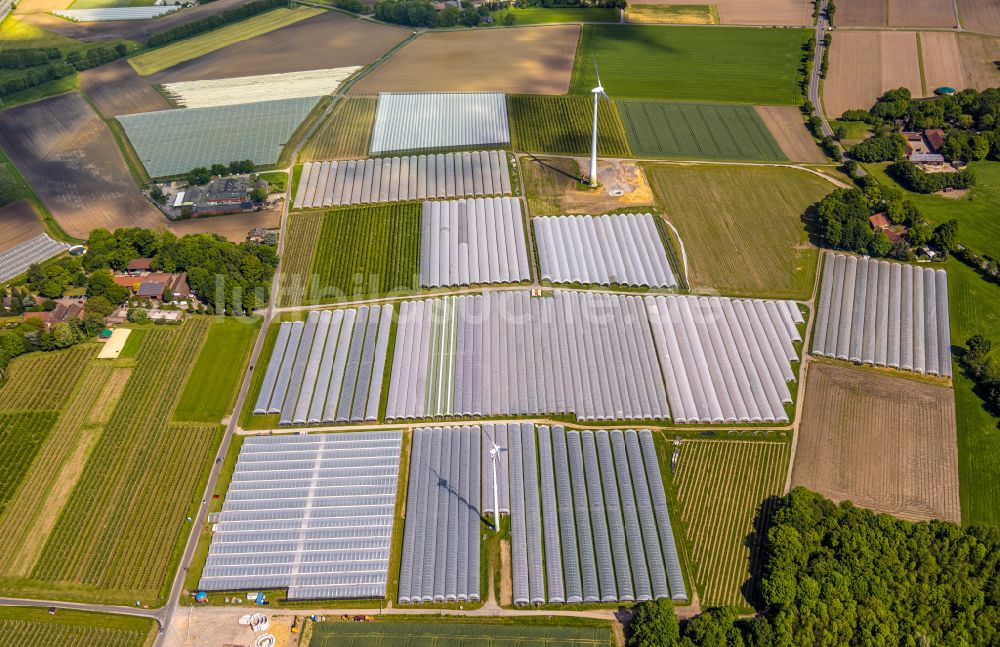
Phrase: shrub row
[214,22]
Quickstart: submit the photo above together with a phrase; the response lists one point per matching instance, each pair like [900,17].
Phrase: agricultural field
[787,125]
[975,311]
[427,632]
[115,89]
[21,435]
[18,223]
[788,13]
[864,64]
[356,253]
[172,142]
[43,381]
[922,13]
[548,15]
[672,14]
[344,40]
[742,226]
[698,131]
[345,133]
[732,64]
[248,89]
[906,13]
[562,125]
[234,227]
[959,60]
[70,158]
[554,186]
[722,488]
[862,13]
[34,627]
[882,441]
[980,15]
[528,60]
[100,512]
[219,370]
[162,58]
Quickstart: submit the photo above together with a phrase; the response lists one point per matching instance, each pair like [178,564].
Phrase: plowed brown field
[884,442]
[234,227]
[758,12]
[980,15]
[116,89]
[861,13]
[959,60]
[18,223]
[864,64]
[331,39]
[70,158]
[524,60]
[922,13]
[789,130]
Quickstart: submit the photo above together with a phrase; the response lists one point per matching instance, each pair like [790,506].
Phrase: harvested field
[672,14]
[698,131]
[343,40]
[721,486]
[18,223]
[959,60]
[861,13]
[864,64]
[742,226]
[162,58]
[980,15]
[345,133]
[115,89]
[922,13]
[526,60]
[682,63]
[769,12]
[71,160]
[884,442]
[234,227]
[788,128]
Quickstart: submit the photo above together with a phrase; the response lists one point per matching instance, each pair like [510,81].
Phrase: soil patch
[70,158]
[234,227]
[343,41]
[116,89]
[553,187]
[884,442]
[980,15]
[862,13]
[18,223]
[525,60]
[922,13]
[864,64]
[789,130]
[506,583]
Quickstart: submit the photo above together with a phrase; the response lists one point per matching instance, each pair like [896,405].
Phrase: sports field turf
[698,131]
[722,64]
[672,14]
[562,125]
[544,16]
[356,253]
[457,634]
[218,371]
[345,134]
[742,226]
[157,60]
[34,627]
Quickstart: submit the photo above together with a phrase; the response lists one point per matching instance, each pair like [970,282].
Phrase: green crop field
[33,627]
[742,226]
[701,131]
[720,486]
[543,124]
[345,134]
[157,60]
[360,252]
[218,371]
[548,15]
[722,64]
[100,513]
[21,435]
[43,380]
[458,634]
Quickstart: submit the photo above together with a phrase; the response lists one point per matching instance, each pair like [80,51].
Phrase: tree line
[214,22]
[41,67]
[840,575]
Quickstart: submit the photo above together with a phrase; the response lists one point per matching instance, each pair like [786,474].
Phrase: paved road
[154,614]
[814,79]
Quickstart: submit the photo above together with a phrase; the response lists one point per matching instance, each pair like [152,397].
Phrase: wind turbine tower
[495,456]
[598,92]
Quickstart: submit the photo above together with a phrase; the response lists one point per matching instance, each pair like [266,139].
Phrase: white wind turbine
[495,456]
[598,92]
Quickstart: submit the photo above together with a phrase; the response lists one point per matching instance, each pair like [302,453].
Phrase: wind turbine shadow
[445,484]
[558,170]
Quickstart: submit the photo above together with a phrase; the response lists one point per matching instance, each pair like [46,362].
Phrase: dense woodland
[227,276]
[840,575]
[43,64]
[984,370]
